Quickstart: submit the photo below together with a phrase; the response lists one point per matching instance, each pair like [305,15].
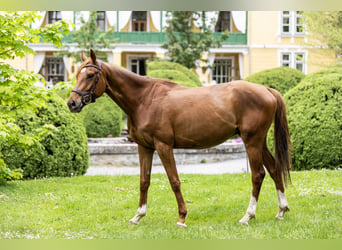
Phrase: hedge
[281,78]
[174,72]
[314,110]
[64,150]
[102,118]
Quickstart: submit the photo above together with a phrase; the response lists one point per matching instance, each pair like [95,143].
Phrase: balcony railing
[160,37]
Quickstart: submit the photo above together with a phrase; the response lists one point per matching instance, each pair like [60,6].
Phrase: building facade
[258,40]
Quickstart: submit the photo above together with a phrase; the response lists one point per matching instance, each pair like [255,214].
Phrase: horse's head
[90,84]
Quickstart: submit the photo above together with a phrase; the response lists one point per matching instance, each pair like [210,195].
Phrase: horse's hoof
[181,225]
[282,211]
[243,222]
[279,217]
[133,222]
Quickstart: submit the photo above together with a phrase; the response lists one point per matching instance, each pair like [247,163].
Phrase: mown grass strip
[100,206]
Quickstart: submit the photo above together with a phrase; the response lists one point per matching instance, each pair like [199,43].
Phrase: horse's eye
[89,76]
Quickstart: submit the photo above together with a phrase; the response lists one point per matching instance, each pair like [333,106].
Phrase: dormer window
[54,16]
[139,21]
[223,22]
[101,20]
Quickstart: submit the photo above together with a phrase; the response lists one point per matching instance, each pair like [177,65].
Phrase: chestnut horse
[162,115]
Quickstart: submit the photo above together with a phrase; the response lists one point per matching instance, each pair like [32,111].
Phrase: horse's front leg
[165,153]
[145,159]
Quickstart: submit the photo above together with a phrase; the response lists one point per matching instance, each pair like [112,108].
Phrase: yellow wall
[264,30]
[116,59]
[262,59]
[263,27]
[25,63]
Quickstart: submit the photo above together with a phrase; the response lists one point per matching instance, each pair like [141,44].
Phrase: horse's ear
[83,56]
[93,56]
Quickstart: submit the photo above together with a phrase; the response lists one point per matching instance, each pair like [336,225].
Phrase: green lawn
[100,207]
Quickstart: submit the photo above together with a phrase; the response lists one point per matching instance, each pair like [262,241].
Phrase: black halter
[89,96]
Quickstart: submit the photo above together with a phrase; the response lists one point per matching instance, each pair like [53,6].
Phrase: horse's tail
[281,139]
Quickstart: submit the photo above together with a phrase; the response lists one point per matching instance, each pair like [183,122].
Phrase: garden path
[230,166]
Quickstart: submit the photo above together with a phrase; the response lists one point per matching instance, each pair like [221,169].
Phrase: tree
[325,28]
[184,45]
[16,92]
[88,36]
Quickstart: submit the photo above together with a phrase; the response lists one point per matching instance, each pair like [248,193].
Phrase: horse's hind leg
[269,163]
[254,151]
[145,158]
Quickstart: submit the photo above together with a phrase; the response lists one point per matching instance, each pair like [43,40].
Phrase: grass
[101,206]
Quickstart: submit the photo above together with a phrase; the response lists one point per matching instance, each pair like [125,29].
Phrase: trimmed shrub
[63,150]
[315,121]
[281,78]
[102,118]
[174,72]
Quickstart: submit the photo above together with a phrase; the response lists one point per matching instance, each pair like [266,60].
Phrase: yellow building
[258,40]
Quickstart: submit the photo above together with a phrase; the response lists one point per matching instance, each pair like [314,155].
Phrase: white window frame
[232,58]
[293,24]
[131,57]
[293,59]
[44,73]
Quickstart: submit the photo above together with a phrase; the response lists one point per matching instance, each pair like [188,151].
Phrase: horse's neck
[125,88]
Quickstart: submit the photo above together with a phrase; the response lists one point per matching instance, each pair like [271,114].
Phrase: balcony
[160,37]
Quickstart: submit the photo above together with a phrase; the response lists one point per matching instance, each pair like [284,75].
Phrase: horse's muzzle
[75,107]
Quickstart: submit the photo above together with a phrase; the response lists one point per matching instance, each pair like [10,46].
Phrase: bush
[174,72]
[102,118]
[281,78]
[315,121]
[63,149]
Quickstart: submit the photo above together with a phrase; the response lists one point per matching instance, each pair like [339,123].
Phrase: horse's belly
[204,136]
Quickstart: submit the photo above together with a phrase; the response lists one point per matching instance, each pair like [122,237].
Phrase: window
[291,23]
[223,22]
[101,20]
[299,27]
[54,16]
[285,22]
[295,60]
[139,21]
[53,70]
[299,61]
[286,59]
[223,70]
[137,63]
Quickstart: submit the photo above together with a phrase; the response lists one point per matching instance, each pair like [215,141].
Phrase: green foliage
[174,72]
[315,118]
[62,148]
[324,28]
[16,92]
[184,45]
[88,36]
[102,118]
[281,78]
[16,33]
